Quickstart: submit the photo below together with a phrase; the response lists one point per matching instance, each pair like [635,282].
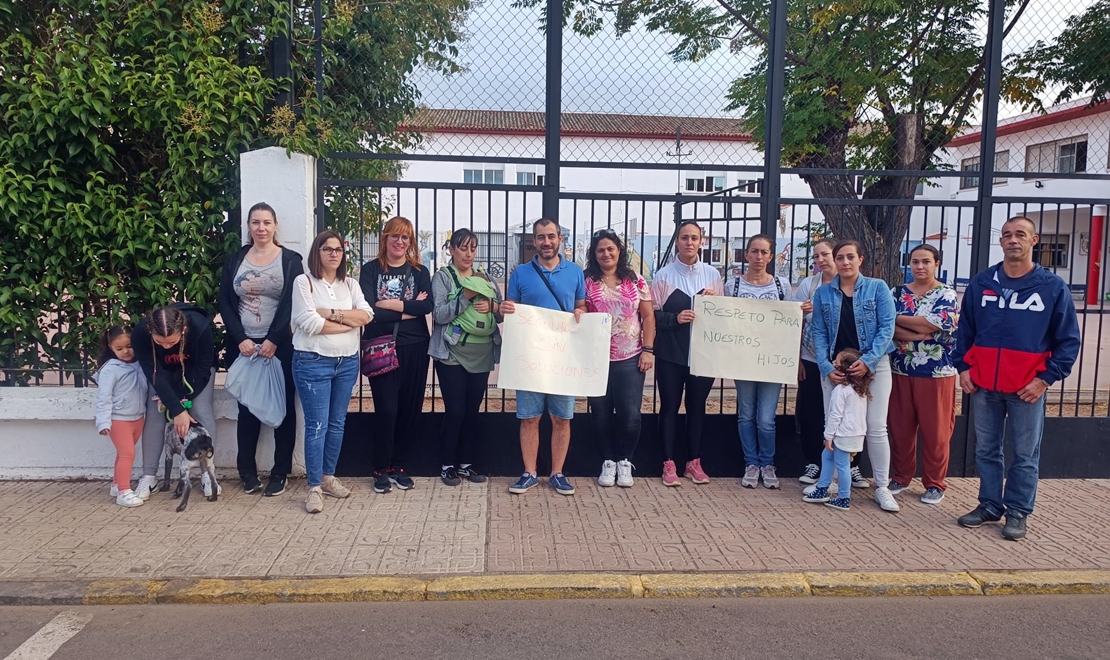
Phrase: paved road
[795,628]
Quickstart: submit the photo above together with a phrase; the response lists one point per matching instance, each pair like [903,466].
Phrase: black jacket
[403,284]
[279,332]
[173,381]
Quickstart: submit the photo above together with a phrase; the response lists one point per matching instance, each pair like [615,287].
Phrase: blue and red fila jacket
[1009,337]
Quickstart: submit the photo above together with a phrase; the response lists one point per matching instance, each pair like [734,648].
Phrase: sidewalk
[54,531]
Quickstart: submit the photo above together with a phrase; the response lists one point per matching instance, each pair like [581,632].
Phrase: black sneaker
[472,475]
[251,484]
[381,482]
[450,476]
[978,517]
[400,479]
[276,485]
[1014,529]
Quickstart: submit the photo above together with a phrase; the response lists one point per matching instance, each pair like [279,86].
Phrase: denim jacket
[874,310]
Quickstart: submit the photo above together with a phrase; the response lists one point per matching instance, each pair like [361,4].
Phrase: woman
[756,402]
[328,310]
[672,298]
[857,312]
[614,288]
[923,395]
[399,289]
[256,299]
[465,344]
[173,345]
[809,408]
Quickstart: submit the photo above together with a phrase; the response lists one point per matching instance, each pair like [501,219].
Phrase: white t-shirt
[310,294]
[846,419]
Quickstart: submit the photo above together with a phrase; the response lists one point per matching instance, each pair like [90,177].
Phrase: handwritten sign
[746,339]
[543,350]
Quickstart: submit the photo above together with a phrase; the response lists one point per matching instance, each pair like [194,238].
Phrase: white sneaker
[146,486]
[206,484]
[113,491]
[128,498]
[624,473]
[608,474]
[886,500]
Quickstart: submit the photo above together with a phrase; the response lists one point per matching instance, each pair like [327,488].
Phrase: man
[552,282]
[1018,335]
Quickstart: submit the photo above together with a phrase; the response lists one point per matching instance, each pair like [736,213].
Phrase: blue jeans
[1026,425]
[618,435]
[325,385]
[756,404]
[529,405]
[842,460]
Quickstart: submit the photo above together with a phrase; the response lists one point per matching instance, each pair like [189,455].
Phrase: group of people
[878,367]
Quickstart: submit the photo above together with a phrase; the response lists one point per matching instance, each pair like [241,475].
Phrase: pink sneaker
[670,474]
[695,473]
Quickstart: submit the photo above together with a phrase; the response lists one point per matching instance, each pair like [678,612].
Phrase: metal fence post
[772,127]
[281,60]
[984,207]
[318,53]
[554,109]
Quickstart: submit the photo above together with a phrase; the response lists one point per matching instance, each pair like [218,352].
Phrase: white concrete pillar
[286,182]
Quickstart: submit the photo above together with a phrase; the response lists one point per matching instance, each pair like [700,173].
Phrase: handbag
[379,355]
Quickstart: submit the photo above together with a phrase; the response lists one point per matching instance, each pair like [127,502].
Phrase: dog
[196,450]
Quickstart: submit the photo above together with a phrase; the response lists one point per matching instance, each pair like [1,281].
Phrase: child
[120,404]
[845,428]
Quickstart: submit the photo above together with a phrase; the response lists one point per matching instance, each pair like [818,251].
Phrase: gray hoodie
[122,393]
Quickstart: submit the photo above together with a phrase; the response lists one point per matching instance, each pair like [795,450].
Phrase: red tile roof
[1055,115]
[577,124]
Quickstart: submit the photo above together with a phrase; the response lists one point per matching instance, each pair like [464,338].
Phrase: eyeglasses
[404,238]
[605,233]
[331,252]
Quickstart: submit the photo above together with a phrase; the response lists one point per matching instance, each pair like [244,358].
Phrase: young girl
[120,402]
[845,429]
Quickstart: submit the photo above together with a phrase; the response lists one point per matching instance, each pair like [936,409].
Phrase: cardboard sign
[544,350]
[746,339]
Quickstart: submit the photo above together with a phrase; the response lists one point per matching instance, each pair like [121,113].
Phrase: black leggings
[398,400]
[617,435]
[810,411]
[462,398]
[285,435]
[672,378]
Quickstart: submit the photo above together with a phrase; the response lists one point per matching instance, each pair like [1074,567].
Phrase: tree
[1078,59]
[877,86]
[121,124]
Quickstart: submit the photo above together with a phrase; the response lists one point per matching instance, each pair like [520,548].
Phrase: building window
[487,174]
[711,256]
[1001,164]
[1058,157]
[525,178]
[1052,251]
[705,183]
[754,187]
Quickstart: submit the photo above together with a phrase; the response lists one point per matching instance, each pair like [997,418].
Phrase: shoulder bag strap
[778,285]
[543,277]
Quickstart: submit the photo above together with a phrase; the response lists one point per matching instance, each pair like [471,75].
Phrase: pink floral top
[622,304]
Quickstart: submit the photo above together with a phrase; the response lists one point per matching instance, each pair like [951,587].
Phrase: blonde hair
[395,226]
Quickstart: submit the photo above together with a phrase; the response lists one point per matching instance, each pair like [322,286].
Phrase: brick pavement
[53,531]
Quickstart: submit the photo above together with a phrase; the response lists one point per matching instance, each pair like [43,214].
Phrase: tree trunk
[879,229]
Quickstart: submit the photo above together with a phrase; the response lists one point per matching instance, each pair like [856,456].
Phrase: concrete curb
[552,586]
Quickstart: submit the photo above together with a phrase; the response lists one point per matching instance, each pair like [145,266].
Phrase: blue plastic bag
[258,383]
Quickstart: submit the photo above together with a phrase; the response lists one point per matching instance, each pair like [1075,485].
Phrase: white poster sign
[746,339]
[544,350]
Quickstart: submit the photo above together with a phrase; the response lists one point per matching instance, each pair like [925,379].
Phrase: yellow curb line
[893,583]
[1043,582]
[553,585]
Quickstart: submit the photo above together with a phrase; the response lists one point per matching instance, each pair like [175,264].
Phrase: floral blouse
[623,305]
[931,358]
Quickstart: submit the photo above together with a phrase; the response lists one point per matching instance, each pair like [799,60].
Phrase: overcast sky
[504,54]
